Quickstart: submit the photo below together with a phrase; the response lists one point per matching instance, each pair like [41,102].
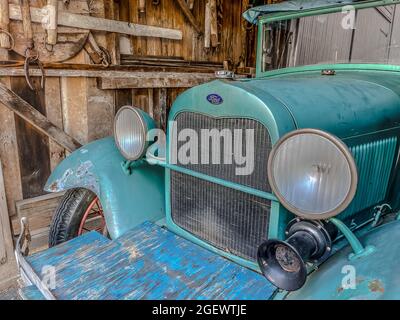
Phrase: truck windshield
[369,35]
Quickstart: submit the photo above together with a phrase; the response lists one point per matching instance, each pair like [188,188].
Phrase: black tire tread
[68,215]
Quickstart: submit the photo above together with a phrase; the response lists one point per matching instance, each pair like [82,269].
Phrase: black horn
[284,262]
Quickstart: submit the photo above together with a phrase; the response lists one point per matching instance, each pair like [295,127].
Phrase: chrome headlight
[312,173]
[131,126]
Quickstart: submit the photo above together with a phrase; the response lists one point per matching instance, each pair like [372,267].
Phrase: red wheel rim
[93,219]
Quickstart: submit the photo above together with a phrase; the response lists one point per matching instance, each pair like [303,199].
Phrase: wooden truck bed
[148,262]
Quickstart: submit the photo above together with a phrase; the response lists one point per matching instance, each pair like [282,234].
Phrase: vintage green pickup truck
[285,186]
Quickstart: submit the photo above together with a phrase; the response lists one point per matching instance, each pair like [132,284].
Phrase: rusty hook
[31,57]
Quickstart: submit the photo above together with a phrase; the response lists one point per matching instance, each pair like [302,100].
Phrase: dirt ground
[10,292]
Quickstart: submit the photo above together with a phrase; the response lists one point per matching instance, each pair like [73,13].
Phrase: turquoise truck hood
[348,104]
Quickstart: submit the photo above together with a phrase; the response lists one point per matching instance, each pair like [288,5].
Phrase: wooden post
[7,261]
[4,24]
[3,219]
[142,6]
[213,23]
[207,25]
[27,22]
[150,108]
[9,148]
[52,22]
[160,108]
[54,114]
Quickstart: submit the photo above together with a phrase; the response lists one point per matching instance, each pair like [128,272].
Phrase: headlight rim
[144,132]
[350,161]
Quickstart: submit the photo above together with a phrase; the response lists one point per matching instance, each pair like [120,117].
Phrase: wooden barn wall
[85,112]
[232,30]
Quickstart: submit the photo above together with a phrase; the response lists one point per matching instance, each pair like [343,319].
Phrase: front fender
[127,200]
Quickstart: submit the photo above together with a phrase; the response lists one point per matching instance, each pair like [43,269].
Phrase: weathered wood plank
[147,262]
[38,210]
[189,15]
[54,114]
[36,119]
[99,24]
[123,98]
[9,154]
[73,73]
[74,102]
[4,24]
[100,111]
[66,252]
[156,80]
[160,108]
[4,220]
[7,262]
[168,14]
[214,23]
[207,25]
[33,145]
[31,293]
[113,43]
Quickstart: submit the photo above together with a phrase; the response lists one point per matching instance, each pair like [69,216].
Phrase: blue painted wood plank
[68,251]
[150,262]
[30,293]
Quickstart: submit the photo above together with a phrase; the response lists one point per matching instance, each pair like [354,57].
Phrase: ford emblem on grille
[214,99]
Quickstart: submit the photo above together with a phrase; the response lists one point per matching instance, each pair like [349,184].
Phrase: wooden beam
[7,261]
[189,15]
[100,24]
[102,73]
[36,119]
[155,80]
[4,24]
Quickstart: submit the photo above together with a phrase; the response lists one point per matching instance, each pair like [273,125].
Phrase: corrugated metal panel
[374,162]
[322,39]
[394,50]
[372,36]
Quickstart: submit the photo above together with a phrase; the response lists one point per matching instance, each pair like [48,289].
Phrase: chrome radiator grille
[227,219]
